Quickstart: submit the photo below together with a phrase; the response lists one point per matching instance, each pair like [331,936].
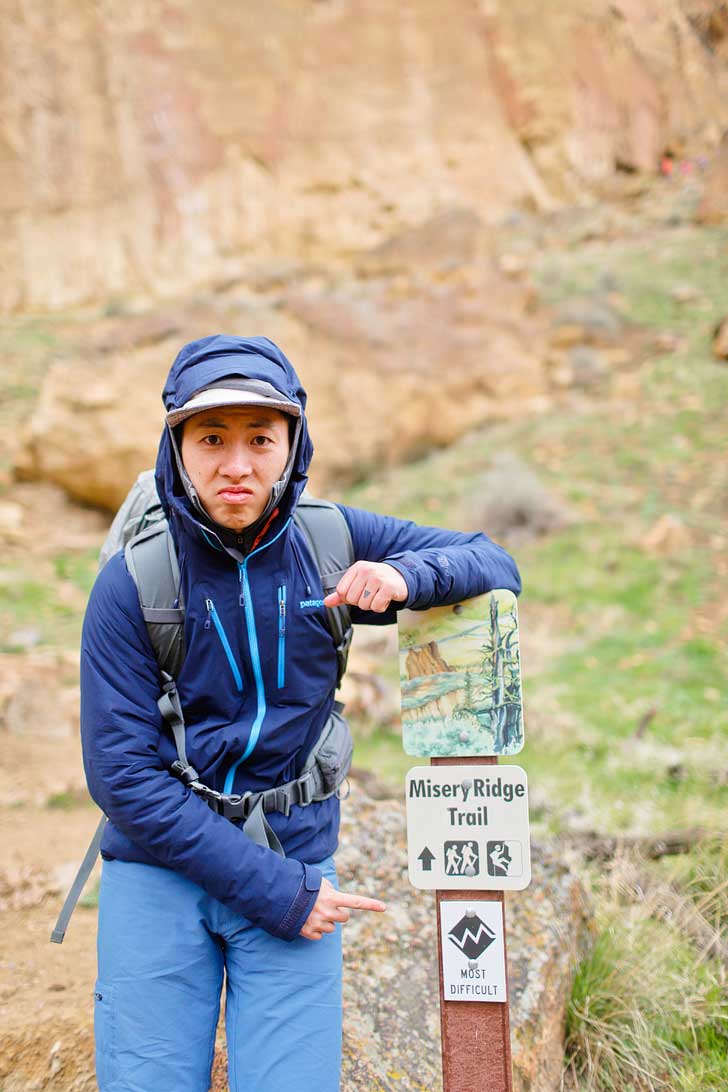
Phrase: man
[187,898]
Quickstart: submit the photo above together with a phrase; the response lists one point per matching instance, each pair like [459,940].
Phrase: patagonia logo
[310,604]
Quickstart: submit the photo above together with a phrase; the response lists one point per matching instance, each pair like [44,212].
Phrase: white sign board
[473,951]
[467,828]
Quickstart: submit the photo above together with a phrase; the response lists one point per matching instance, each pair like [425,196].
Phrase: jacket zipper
[281,636]
[246,601]
[212,614]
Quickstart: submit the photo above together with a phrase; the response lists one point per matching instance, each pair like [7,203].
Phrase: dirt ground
[46,823]
[45,989]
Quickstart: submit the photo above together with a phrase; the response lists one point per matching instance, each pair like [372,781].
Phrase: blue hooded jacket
[255,690]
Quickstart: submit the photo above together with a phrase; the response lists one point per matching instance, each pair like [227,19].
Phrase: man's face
[234,456]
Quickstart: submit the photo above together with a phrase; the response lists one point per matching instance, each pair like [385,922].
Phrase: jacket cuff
[300,908]
[406,570]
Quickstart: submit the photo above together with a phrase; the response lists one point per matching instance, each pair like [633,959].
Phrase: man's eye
[212,441]
[261,441]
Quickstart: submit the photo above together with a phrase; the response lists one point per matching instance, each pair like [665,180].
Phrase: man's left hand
[370,585]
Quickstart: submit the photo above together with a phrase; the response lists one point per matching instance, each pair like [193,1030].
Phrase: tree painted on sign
[505,711]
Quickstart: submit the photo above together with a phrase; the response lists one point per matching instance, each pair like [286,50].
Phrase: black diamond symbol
[472,936]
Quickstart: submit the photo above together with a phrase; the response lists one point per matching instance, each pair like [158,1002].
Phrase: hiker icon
[462,858]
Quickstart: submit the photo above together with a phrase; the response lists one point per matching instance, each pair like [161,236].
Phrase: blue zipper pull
[241,597]
[210,608]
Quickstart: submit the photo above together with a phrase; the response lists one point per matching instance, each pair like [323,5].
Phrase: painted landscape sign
[460,676]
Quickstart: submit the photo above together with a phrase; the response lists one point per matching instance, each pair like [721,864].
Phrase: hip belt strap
[322,776]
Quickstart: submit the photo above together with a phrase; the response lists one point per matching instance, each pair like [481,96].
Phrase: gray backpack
[140,529]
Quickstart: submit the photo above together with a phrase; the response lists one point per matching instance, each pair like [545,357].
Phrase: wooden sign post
[467,835]
[476,1039]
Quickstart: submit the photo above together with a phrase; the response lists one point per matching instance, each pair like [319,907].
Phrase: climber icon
[504,858]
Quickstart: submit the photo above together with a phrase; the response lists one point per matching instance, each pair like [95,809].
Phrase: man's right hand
[332,906]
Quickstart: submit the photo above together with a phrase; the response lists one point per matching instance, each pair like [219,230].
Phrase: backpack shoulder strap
[152,561]
[140,508]
[329,538]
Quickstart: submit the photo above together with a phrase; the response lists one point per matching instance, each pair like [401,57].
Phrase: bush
[513,506]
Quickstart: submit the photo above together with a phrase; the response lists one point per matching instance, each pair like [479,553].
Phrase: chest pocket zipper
[281,636]
[213,616]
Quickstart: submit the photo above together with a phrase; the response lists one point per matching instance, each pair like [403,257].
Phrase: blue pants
[164,946]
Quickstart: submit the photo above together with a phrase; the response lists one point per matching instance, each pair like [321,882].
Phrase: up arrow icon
[427,857]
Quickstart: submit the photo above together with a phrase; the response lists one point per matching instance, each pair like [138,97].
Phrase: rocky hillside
[153,146]
[430,319]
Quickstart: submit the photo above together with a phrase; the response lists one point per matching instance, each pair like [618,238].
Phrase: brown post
[476,1038]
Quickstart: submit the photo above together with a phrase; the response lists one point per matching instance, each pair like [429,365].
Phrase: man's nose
[236,461]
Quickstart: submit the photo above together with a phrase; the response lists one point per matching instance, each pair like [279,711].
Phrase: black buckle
[234,806]
[305,791]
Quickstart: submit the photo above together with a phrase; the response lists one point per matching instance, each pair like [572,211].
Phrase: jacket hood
[209,360]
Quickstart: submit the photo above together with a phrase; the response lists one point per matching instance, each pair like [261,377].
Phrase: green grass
[67,799]
[80,569]
[380,750]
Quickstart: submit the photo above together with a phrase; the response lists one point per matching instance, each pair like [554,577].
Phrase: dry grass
[649,1009]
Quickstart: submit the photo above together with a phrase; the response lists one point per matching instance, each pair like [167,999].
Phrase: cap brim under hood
[234,391]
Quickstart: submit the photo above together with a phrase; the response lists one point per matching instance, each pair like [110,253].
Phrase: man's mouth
[234,493]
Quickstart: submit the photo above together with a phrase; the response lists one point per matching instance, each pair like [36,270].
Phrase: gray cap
[234,392]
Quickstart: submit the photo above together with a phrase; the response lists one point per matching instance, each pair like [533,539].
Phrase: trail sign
[473,951]
[460,677]
[467,817]
[467,827]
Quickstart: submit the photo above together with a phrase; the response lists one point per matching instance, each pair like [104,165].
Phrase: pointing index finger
[359,902]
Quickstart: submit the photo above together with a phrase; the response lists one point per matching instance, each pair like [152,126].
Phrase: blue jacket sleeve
[439,566]
[120,731]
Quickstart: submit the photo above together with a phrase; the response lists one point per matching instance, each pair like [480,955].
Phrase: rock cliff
[157,145]
[425,660]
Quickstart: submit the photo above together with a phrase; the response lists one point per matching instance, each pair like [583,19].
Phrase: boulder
[95,426]
[38,691]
